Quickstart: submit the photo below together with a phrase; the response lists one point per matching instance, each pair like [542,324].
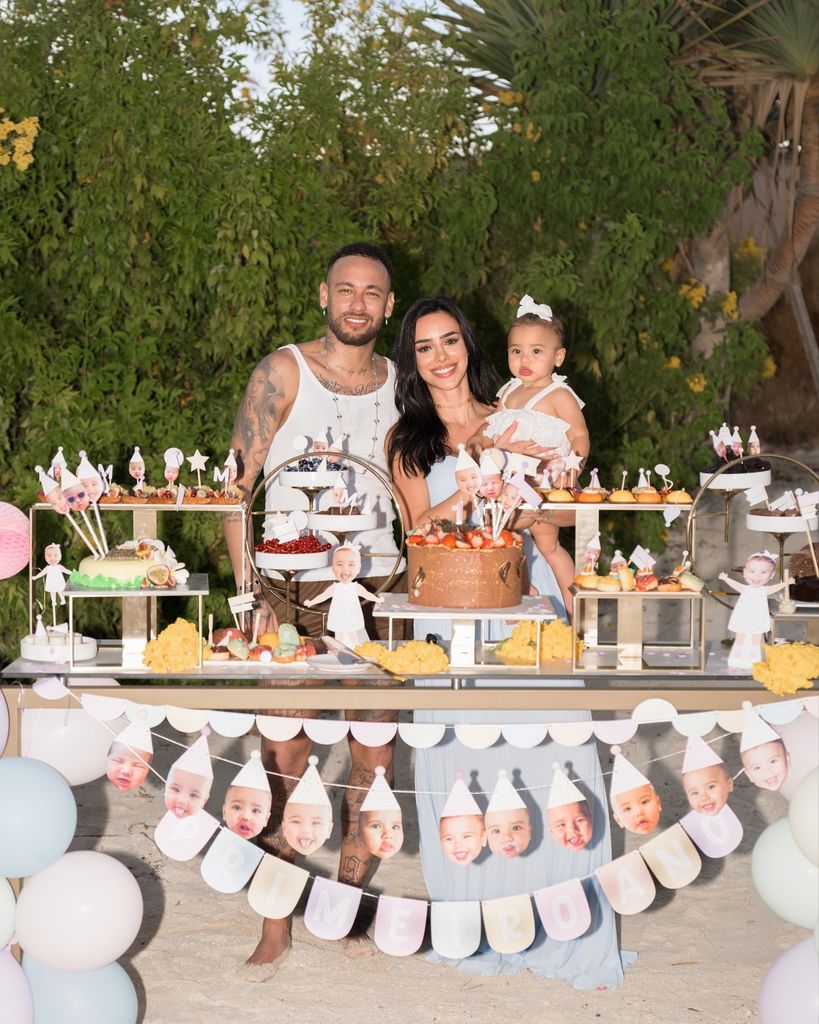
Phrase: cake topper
[95,488]
[78,499]
[757,494]
[54,574]
[736,444]
[751,617]
[467,475]
[754,447]
[662,470]
[173,463]
[57,464]
[53,494]
[345,618]
[136,469]
[197,463]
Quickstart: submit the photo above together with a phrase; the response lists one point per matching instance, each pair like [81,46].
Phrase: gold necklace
[457,405]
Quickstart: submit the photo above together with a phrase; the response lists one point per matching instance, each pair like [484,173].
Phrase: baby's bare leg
[545,536]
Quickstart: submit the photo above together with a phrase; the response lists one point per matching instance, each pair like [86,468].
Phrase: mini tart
[588,495]
[559,494]
[608,583]
[626,578]
[679,497]
[688,581]
[669,584]
[586,580]
[622,497]
[646,580]
[648,496]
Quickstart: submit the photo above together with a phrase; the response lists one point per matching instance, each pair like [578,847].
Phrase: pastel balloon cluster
[76,913]
[785,870]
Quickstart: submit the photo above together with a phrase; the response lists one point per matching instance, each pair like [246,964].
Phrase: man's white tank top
[312,414]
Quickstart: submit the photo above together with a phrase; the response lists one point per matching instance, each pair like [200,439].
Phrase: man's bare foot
[358,945]
[274,944]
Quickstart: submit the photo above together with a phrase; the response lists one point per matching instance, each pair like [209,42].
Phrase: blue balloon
[104,996]
[38,816]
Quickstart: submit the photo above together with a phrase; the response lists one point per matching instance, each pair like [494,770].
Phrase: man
[339,383]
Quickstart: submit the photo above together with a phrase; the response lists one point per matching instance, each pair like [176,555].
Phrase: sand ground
[703,950]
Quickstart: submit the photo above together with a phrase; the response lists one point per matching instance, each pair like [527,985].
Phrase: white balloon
[80,913]
[785,879]
[803,815]
[69,740]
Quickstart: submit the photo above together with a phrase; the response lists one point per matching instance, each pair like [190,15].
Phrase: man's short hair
[365,249]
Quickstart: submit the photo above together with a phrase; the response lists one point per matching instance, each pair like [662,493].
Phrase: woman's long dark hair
[418,439]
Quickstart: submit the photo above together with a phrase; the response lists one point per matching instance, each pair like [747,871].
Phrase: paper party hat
[136,736]
[252,774]
[380,797]
[489,466]
[563,790]
[48,483]
[68,479]
[699,754]
[310,789]
[196,758]
[624,775]
[460,800]
[756,731]
[465,460]
[504,796]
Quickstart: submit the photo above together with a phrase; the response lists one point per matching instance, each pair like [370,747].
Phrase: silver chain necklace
[334,394]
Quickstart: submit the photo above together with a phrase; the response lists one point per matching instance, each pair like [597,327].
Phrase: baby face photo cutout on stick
[129,757]
[467,473]
[507,822]
[705,778]
[490,469]
[568,816]
[635,804]
[380,824]
[174,458]
[308,815]
[248,799]
[762,752]
[190,780]
[461,828]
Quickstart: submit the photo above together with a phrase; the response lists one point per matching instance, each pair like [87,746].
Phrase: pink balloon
[15,994]
[790,989]
[14,540]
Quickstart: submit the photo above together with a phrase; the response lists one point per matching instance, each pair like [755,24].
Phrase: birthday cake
[805,586]
[463,568]
[129,566]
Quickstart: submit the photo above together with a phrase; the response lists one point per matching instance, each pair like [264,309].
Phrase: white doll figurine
[751,617]
[54,578]
[345,618]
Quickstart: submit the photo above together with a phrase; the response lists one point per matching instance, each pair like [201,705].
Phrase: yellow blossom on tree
[769,368]
[729,306]
[693,292]
[668,266]
[17,141]
[673,363]
[696,383]
[535,176]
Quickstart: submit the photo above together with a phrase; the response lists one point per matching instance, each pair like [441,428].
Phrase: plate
[330,663]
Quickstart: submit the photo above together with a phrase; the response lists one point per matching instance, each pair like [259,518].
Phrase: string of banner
[232,860]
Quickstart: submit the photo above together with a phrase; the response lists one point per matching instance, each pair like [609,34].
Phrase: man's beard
[358,340]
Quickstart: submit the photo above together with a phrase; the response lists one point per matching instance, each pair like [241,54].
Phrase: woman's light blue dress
[588,962]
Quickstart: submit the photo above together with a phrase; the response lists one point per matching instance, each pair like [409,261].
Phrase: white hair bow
[528,305]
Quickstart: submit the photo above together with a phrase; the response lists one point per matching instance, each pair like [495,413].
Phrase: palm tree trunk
[792,246]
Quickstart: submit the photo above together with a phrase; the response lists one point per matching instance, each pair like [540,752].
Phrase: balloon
[15,995]
[790,989]
[14,540]
[801,738]
[104,996]
[37,816]
[4,723]
[69,740]
[7,902]
[79,914]
[784,878]
[803,815]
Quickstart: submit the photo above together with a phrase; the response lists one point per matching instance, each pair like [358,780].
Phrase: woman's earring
[386,320]
[324,311]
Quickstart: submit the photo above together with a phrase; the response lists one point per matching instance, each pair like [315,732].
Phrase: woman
[444,390]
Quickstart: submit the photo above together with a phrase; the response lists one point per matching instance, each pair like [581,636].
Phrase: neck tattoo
[334,392]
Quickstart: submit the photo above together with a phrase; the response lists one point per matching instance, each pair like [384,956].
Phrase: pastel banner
[731,721]
[230,862]
[781,712]
[16,1002]
[618,730]
[231,723]
[571,734]
[331,908]
[187,719]
[183,838]
[696,723]
[104,709]
[564,910]
[509,923]
[50,688]
[655,709]
[325,731]
[148,715]
[421,735]
[277,728]
[524,736]
[276,887]
[716,835]
[374,734]
[455,928]
[812,705]
[478,737]
[627,883]
[672,857]
[400,925]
